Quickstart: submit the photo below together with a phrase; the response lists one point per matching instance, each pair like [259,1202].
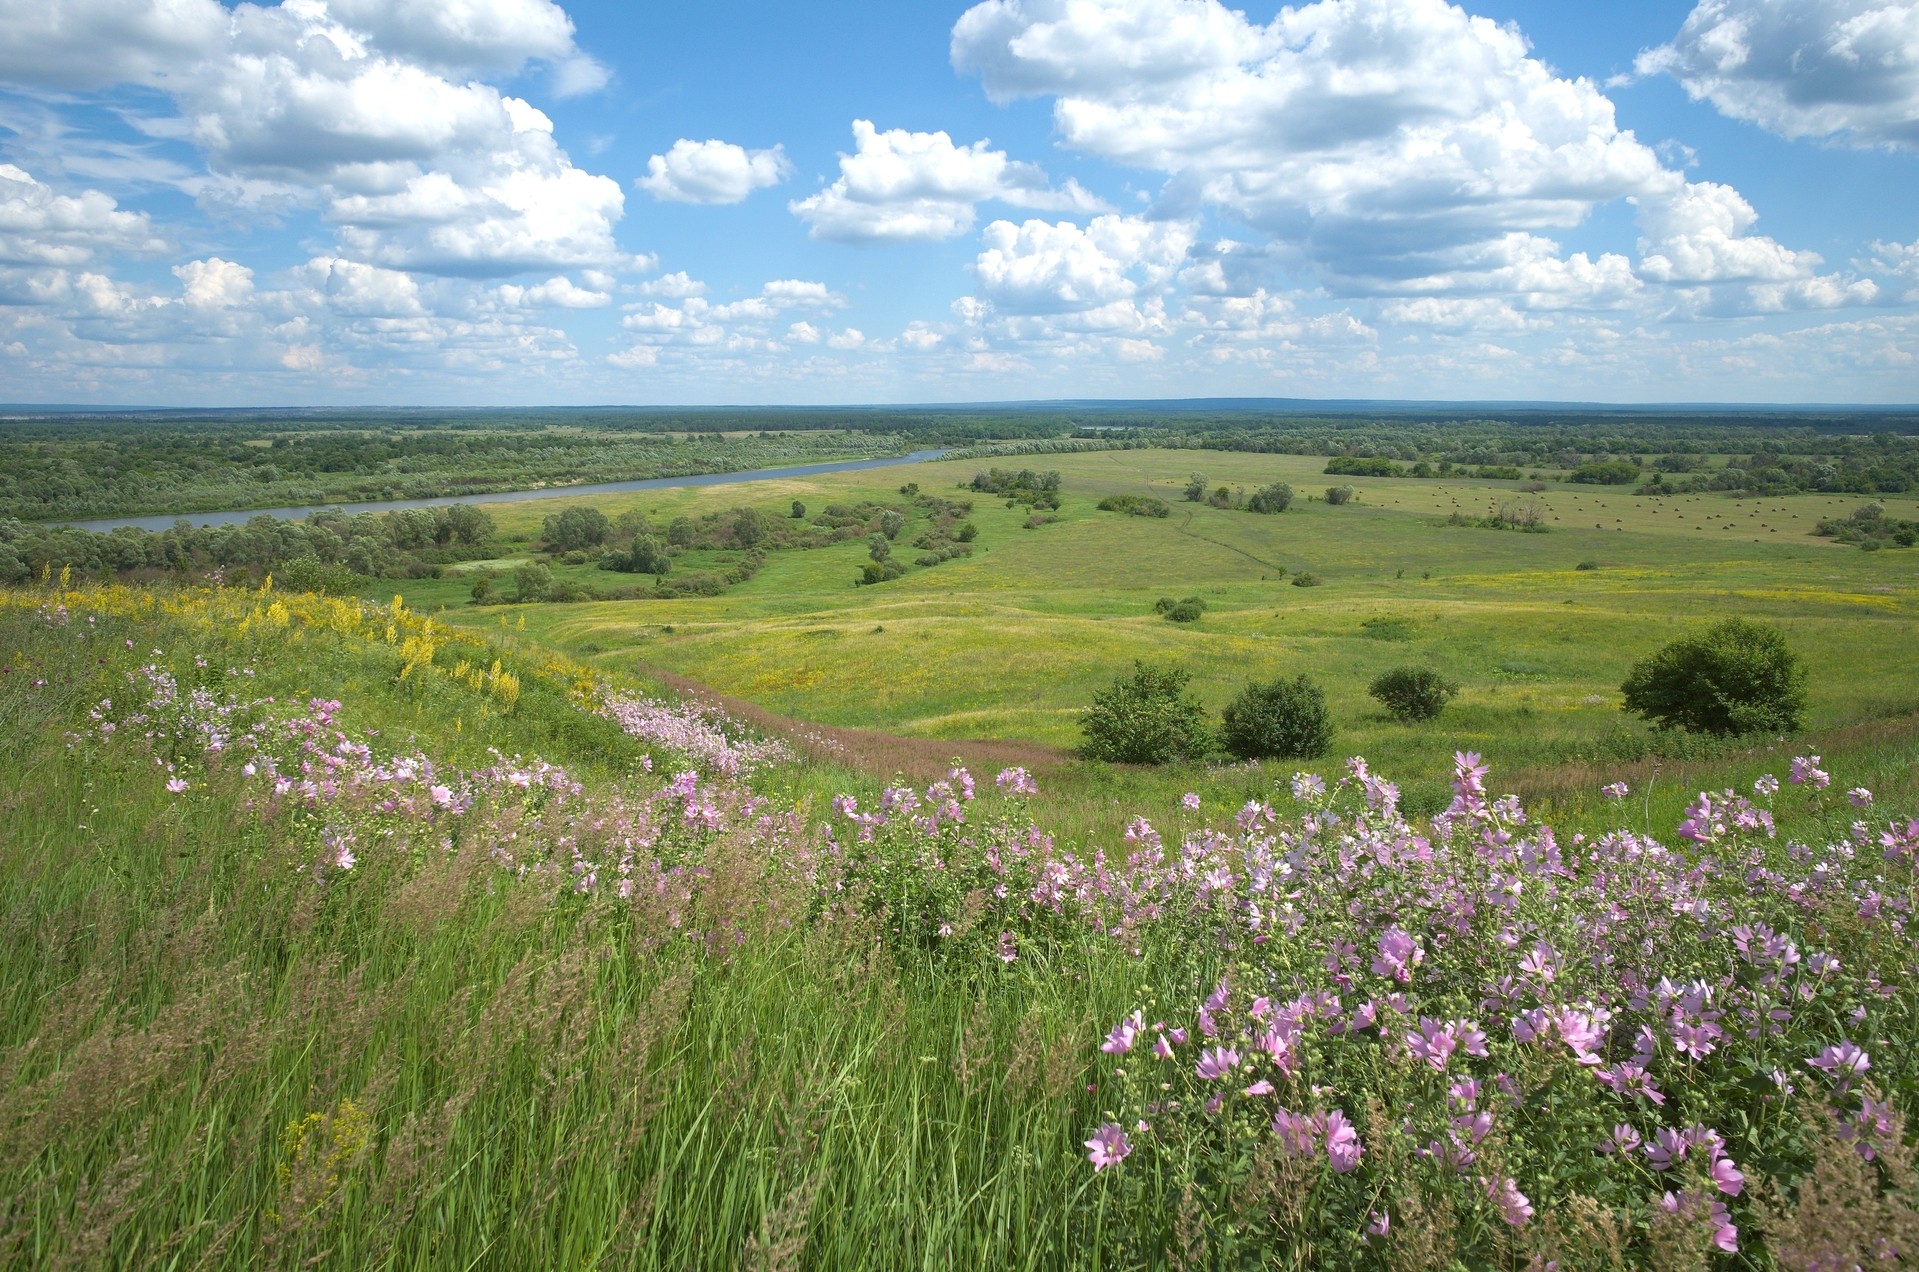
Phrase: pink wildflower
[1216,1063]
[1514,1207]
[1120,1041]
[176,784]
[1343,1148]
[1108,1147]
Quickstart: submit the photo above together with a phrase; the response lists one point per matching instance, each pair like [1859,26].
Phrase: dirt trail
[881,754]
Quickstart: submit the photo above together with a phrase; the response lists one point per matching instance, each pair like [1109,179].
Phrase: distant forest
[79,466]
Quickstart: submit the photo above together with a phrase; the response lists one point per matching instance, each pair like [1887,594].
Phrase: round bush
[1280,719]
[1413,693]
[1145,718]
[1187,611]
[1735,677]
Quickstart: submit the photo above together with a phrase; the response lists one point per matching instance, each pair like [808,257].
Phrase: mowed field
[1013,642]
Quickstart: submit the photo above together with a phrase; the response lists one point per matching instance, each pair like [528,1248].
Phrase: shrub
[645,556]
[1281,719]
[1277,497]
[1605,473]
[879,548]
[1187,611]
[748,528]
[574,528]
[1306,578]
[1413,693]
[799,511]
[1337,495]
[532,582]
[1145,718]
[1136,505]
[1587,565]
[1736,677]
[1196,488]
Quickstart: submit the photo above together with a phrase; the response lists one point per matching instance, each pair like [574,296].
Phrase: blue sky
[500,202]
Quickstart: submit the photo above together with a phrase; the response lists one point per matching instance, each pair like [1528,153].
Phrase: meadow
[1539,629]
[782,927]
[338,937]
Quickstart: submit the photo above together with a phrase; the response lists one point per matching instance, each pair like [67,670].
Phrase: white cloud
[1900,261]
[215,284]
[1386,143]
[675,286]
[350,287]
[713,172]
[39,226]
[370,109]
[97,43]
[1846,69]
[1042,267]
[900,186]
[803,333]
[1698,235]
[560,292]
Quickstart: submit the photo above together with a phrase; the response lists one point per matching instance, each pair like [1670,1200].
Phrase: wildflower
[1216,1063]
[1108,1147]
[442,796]
[1841,1062]
[1378,1224]
[1433,1043]
[1343,1148]
[1616,790]
[1860,797]
[1261,1087]
[1766,787]
[1120,1041]
[1806,772]
[176,784]
[1008,947]
[1016,781]
[1623,1140]
[1190,801]
[1399,953]
[1308,786]
[1514,1207]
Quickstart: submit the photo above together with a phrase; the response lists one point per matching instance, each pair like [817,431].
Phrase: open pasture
[1539,628]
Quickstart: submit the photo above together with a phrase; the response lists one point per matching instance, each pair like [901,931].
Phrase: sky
[512,202]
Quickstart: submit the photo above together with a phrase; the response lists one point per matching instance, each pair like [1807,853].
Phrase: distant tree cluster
[339,552]
[1024,486]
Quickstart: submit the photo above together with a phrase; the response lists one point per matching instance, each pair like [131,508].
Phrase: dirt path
[883,755]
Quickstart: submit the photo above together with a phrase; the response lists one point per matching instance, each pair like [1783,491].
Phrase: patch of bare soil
[883,755]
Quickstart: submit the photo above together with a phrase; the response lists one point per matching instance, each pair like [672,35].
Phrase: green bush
[532,582]
[1306,578]
[1145,718]
[1413,693]
[575,528]
[799,511]
[1736,677]
[645,556]
[1187,611]
[1277,497]
[1337,495]
[1605,473]
[1280,719]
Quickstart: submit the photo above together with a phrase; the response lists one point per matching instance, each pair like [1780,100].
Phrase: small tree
[1413,693]
[1337,495]
[748,528]
[1281,719]
[575,529]
[799,510]
[532,582]
[1145,718]
[1735,677]
[1196,488]
[878,548]
[1277,497]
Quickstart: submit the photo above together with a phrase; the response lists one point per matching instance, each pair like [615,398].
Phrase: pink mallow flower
[1216,1063]
[1108,1147]
[1120,1041]
[1806,772]
[1343,1149]
[1514,1206]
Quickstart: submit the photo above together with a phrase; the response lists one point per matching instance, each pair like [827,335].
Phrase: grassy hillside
[1012,642]
[338,937]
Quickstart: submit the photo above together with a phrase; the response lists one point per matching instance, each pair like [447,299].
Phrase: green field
[1011,643]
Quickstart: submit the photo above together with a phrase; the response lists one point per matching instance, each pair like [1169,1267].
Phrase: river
[241,516]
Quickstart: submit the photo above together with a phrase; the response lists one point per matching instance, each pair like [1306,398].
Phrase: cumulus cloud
[1042,267]
[39,226]
[369,109]
[1388,143]
[97,43]
[713,172]
[559,292]
[900,186]
[214,283]
[675,286]
[1842,69]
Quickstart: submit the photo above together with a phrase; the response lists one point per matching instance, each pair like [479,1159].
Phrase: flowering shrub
[1473,1017]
